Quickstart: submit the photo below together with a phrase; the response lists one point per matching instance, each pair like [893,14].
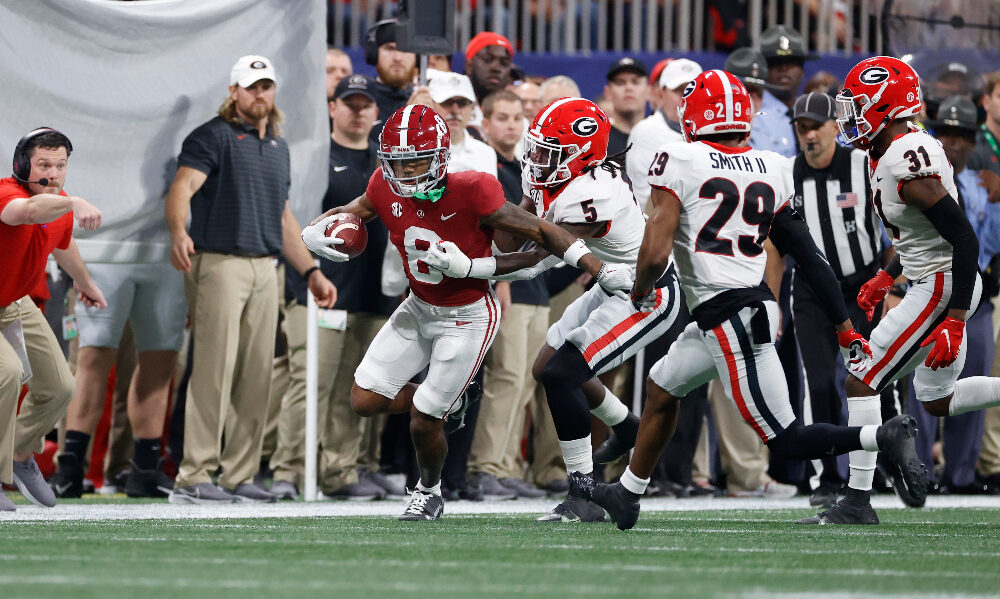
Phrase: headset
[371,40]
[22,162]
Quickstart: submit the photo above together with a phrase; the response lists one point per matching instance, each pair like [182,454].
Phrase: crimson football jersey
[416,224]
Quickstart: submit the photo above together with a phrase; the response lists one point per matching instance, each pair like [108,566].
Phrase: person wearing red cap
[488,62]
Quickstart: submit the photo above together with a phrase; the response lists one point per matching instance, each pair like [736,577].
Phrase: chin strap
[432,195]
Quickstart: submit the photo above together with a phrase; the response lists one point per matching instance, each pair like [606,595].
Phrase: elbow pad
[790,234]
[950,221]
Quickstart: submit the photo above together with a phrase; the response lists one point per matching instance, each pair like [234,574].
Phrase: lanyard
[990,139]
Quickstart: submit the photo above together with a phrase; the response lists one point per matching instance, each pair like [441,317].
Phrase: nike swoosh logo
[60,489]
[241,136]
[338,169]
[878,179]
[462,322]
[443,217]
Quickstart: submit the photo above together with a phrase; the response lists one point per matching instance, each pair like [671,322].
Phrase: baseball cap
[679,72]
[484,39]
[355,84]
[748,65]
[250,69]
[782,41]
[958,112]
[654,75]
[814,105]
[444,86]
[626,63]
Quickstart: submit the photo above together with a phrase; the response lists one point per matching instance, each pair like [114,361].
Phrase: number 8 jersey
[729,197]
[414,225]
[922,251]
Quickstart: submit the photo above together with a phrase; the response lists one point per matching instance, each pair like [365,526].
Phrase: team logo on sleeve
[873,75]
[584,126]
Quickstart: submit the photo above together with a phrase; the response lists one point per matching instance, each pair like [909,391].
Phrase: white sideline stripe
[166,511]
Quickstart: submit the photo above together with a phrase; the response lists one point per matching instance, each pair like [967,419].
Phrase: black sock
[76,445]
[147,453]
[562,377]
[627,427]
[857,496]
[815,441]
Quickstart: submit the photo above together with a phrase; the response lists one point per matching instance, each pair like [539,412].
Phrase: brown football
[349,228]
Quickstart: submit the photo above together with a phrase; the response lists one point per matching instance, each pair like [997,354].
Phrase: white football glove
[314,236]
[616,279]
[644,303]
[449,259]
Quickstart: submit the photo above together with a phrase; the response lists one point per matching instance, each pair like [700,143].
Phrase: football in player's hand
[352,231]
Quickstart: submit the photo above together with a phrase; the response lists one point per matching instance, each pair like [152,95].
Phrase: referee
[832,194]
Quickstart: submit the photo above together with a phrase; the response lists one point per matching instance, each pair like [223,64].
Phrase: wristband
[576,250]
[308,273]
[899,289]
[483,268]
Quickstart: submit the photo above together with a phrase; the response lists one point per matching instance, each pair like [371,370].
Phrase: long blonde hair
[274,119]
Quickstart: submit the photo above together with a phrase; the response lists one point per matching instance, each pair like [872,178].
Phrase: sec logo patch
[397,209]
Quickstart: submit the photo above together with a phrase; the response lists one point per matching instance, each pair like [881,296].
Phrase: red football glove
[874,291]
[947,340]
[855,351]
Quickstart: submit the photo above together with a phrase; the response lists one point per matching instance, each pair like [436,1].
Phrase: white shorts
[896,340]
[452,340]
[607,329]
[149,296]
[750,372]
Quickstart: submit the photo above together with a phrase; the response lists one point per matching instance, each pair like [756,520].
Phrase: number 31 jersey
[922,251]
[414,225]
[729,197]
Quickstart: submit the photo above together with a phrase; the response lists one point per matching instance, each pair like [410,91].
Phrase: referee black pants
[823,365]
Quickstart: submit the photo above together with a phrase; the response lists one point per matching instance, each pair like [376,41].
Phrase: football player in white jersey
[936,250]
[715,202]
[570,182]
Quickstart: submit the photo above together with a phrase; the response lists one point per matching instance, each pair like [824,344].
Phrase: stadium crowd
[209,351]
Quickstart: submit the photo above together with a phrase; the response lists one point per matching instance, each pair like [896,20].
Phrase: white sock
[974,393]
[435,490]
[577,455]
[862,411]
[869,434]
[611,411]
[634,483]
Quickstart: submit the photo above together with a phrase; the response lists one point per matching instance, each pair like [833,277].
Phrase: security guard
[785,53]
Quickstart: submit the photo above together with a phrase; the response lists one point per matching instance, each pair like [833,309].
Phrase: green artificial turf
[683,554]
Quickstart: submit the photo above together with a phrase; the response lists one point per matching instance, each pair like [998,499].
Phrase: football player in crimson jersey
[714,203]
[936,250]
[566,171]
[446,323]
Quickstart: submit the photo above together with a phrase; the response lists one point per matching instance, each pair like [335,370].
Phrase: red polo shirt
[24,249]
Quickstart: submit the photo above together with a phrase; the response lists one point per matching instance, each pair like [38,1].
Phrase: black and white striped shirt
[836,204]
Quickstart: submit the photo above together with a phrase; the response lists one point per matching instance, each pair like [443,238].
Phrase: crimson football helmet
[414,132]
[877,91]
[714,102]
[566,136]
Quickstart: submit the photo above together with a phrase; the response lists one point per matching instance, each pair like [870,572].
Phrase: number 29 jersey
[729,197]
[922,251]
[414,225]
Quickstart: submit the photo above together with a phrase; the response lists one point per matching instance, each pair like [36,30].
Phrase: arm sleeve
[531,272]
[949,220]
[790,234]
[199,151]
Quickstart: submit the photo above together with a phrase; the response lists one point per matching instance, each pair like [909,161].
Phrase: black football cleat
[621,504]
[68,478]
[423,506]
[455,420]
[577,507]
[844,511]
[619,441]
[895,441]
[824,496]
[890,471]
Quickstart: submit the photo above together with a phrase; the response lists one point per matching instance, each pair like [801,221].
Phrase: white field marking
[765,594]
[501,509]
[687,549]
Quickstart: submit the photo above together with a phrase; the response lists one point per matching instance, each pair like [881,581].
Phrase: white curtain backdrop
[127,81]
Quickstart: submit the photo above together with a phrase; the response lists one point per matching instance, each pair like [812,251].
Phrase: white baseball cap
[250,69]
[444,85]
[679,72]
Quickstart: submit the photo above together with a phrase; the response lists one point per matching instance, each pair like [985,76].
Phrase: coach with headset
[36,219]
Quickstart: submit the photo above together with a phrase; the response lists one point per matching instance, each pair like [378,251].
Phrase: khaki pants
[10,389]
[349,442]
[989,454]
[744,459]
[508,389]
[233,305]
[279,376]
[50,387]
[120,446]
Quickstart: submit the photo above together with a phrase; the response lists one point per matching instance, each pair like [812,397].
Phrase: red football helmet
[566,136]
[715,102]
[414,132]
[876,92]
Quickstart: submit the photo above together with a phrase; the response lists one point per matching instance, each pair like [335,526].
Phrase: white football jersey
[729,197]
[599,198]
[922,251]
